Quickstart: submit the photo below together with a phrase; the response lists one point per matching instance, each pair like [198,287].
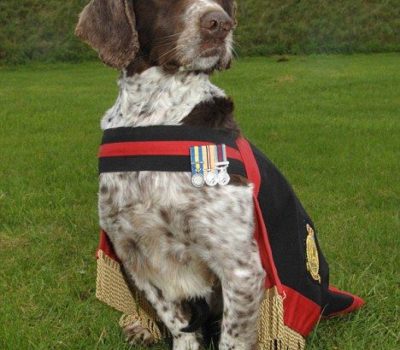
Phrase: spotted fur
[156,98]
[177,242]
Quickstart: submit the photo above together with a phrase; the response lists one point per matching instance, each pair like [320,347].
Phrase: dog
[176,242]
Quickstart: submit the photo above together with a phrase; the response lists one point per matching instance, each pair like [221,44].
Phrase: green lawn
[330,123]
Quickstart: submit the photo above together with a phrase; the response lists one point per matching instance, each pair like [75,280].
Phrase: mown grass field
[331,124]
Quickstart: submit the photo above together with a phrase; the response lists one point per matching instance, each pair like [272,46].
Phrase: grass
[299,27]
[331,124]
[44,29]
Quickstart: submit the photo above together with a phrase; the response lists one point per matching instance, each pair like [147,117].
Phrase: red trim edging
[157,148]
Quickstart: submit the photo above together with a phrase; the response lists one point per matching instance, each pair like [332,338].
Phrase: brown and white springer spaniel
[177,242]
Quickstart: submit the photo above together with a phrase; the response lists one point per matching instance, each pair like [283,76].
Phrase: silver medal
[223,177]
[211,178]
[198,180]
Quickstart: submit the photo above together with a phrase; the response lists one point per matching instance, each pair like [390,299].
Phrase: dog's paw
[186,342]
[136,334]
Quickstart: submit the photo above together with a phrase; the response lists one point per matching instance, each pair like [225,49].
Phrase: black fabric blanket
[286,235]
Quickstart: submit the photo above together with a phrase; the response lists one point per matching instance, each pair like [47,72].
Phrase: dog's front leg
[242,288]
[171,313]
[224,236]
[239,268]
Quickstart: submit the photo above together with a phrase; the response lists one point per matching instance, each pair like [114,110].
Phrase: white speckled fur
[156,98]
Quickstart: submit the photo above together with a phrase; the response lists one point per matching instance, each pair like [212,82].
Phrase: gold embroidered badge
[312,255]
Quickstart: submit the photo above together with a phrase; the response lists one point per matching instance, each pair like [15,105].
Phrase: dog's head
[194,34]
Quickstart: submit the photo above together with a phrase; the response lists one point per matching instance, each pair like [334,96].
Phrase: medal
[223,177]
[196,159]
[222,165]
[211,176]
[209,165]
[198,180]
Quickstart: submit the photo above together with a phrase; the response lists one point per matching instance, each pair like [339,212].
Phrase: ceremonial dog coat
[297,272]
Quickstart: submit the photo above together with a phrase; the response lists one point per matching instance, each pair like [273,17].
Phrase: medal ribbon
[211,156]
[206,158]
[196,159]
[221,154]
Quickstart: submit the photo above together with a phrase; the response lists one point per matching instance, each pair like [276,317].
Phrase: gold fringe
[111,289]
[272,332]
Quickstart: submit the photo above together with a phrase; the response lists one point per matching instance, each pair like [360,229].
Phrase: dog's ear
[109,27]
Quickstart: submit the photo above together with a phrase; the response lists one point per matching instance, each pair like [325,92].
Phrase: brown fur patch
[109,27]
[215,113]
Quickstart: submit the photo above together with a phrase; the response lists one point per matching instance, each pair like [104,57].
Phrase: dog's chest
[170,223]
[161,212]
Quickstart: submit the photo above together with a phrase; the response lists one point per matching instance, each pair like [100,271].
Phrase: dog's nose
[216,24]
